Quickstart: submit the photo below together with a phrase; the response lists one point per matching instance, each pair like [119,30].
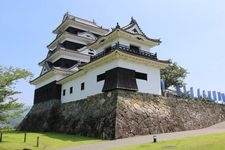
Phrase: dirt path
[218,128]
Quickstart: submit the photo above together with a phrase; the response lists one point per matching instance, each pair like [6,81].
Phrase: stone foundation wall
[94,116]
[41,117]
[140,114]
[120,114]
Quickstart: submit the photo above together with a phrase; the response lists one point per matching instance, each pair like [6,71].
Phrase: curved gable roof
[116,31]
[133,25]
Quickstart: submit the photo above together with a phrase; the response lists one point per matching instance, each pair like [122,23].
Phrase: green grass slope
[48,141]
[208,142]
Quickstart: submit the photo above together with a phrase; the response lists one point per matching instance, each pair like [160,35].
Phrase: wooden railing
[125,49]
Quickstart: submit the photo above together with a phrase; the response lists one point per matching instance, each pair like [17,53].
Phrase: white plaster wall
[86,51]
[134,27]
[152,85]
[49,80]
[92,87]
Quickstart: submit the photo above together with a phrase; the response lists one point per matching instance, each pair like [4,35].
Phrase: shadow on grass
[48,140]
[68,137]
[58,136]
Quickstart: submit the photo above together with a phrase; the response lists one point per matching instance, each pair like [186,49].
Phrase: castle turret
[66,52]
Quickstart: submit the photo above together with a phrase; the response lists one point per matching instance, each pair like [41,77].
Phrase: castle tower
[66,53]
[123,60]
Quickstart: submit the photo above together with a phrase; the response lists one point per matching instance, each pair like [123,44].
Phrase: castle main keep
[106,83]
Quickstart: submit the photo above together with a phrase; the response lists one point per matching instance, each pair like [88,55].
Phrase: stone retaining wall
[94,116]
[120,114]
[140,114]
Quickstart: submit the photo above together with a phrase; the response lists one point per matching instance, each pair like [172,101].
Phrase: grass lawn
[48,141]
[208,142]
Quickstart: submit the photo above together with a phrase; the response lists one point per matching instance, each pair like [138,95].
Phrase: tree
[173,75]
[9,107]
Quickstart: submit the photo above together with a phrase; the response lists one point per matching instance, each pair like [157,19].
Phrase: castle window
[135,30]
[102,40]
[73,30]
[139,38]
[71,90]
[108,49]
[100,77]
[134,48]
[64,92]
[91,53]
[142,76]
[82,86]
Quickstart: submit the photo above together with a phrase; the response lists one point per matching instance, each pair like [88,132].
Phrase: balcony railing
[126,49]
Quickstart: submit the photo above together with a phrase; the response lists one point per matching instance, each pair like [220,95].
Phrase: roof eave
[117,32]
[115,54]
[36,80]
[49,73]
[67,19]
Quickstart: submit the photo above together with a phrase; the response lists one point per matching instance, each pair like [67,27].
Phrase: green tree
[9,107]
[173,75]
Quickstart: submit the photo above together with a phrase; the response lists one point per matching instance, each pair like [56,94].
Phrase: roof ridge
[75,18]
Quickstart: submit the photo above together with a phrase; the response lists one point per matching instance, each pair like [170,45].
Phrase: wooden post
[25,137]
[38,141]
[1,137]
[154,139]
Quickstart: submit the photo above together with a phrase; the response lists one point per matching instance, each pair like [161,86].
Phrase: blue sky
[192,33]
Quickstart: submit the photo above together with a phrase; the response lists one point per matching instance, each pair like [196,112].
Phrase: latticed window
[64,92]
[82,86]
[71,90]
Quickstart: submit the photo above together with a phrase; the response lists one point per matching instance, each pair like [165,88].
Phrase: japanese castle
[86,59]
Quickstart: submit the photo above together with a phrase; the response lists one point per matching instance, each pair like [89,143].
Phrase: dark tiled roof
[67,16]
[132,23]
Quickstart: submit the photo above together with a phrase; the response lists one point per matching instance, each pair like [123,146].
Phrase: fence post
[25,137]
[38,141]
[154,139]
[1,137]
